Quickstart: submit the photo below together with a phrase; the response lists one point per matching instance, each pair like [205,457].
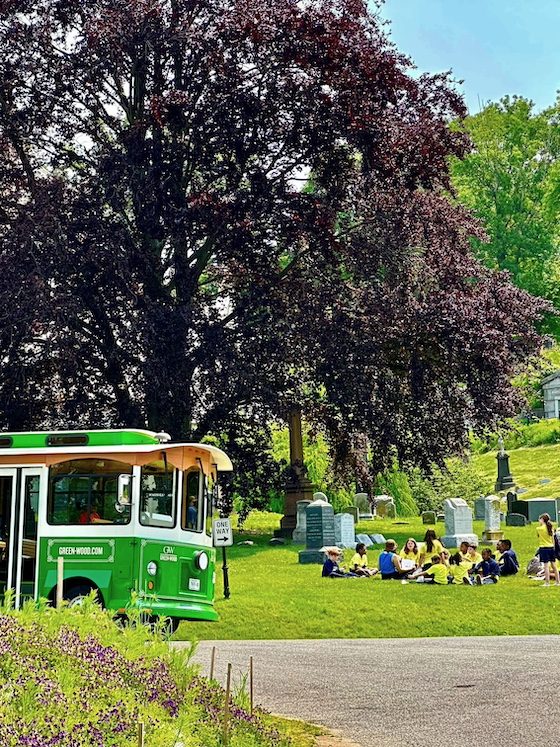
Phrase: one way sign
[222,533]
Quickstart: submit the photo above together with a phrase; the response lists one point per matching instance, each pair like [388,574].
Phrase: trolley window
[157,495]
[192,513]
[86,491]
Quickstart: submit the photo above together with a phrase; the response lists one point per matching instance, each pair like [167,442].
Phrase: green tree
[511,181]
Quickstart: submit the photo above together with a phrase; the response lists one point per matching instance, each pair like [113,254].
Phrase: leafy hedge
[542,433]
[71,678]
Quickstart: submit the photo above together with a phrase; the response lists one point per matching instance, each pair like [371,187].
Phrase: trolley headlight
[201,561]
[151,568]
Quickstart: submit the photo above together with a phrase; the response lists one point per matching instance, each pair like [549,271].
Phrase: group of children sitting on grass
[428,563]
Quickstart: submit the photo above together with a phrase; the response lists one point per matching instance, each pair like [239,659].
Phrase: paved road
[454,692]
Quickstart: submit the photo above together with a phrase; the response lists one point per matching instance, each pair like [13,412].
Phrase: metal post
[212,662]
[251,684]
[226,575]
[225,738]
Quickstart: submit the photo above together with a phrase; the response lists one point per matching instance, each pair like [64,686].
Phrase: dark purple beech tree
[211,210]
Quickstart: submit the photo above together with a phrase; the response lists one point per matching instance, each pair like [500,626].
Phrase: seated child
[437,573]
[359,563]
[509,565]
[410,553]
[430,546]
[459,569]
[390,564]
[473,555]
[331,567]
[488,570]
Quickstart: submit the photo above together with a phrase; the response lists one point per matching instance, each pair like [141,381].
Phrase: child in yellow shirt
[359,563]
[459,569]
[410,551]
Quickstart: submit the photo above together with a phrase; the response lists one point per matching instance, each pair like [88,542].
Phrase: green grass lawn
[272,596]
[528,466]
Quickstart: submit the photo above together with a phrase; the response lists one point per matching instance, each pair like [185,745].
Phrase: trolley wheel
[75,595]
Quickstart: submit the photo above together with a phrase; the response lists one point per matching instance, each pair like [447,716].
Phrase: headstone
[510,497]
[516,520]
[382,503]
[344,533]
[320,497]
[479,504]
[428,517]
[277,541]
[353,511]
[520,491]
[362,503]
[458,523]
[505,479]
[538,506]
[298,537]
[532,508]
[492,531]
[440,517]
[364,538]
[319,530]
[377,539]
[544,481]
[520,507]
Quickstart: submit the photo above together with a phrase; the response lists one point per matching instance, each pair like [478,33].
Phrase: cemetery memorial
[362,503]
[492,532]
[299,534]
[385,506]
[319,530]
[458,523]
[344,531]
[428,517]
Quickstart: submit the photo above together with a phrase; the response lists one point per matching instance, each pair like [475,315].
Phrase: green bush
[459,480]
[395,482]
[541,433]
[72,678]
[424,491]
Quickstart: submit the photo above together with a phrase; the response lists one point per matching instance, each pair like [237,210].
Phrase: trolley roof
[85,442]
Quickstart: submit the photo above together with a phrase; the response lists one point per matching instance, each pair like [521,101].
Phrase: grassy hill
[528,466]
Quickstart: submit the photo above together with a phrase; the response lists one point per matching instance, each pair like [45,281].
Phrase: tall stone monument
[319,517]
[505,479]
[458,523]
[298,487]
[492,532]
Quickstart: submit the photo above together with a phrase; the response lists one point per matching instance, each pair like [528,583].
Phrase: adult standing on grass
[545,533]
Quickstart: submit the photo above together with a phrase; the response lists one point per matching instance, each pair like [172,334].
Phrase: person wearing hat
[331,567]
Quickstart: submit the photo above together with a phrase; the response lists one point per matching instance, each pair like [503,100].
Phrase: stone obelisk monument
[298,486]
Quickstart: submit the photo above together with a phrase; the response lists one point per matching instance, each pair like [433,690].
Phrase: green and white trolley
[128,511]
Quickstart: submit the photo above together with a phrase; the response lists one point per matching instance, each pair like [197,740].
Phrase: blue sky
[496,47]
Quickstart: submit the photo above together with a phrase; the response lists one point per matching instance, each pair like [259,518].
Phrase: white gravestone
[458,523]
[492,531]
[320,497]
[298,536]
[344,534]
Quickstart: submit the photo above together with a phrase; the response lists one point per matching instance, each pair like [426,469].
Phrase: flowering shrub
[71,678]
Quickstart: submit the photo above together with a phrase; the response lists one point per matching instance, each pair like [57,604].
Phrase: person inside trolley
[90,516]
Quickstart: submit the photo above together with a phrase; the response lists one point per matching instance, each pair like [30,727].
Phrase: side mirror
[124,483]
